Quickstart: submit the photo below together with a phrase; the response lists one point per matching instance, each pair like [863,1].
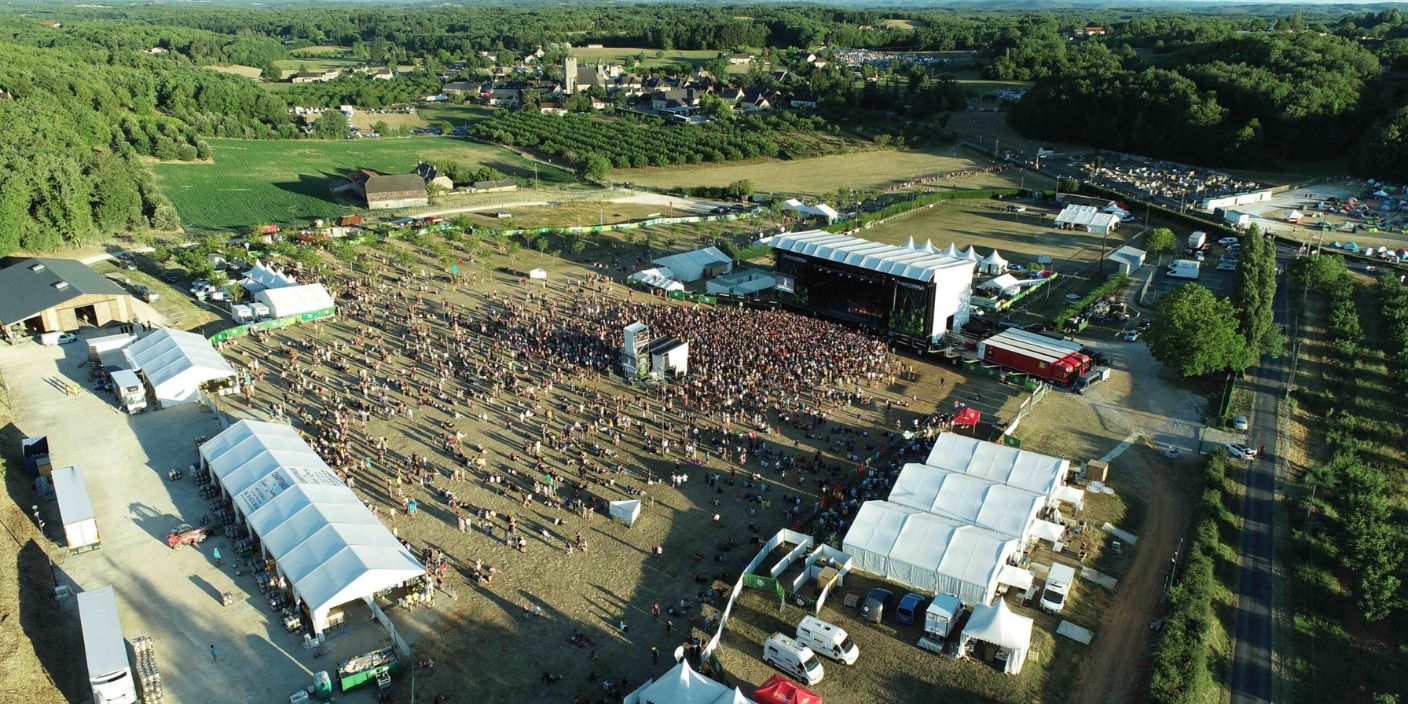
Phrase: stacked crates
[148,676]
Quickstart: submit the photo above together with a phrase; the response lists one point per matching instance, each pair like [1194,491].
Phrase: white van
[827,640]
[793,658]
[1058,587]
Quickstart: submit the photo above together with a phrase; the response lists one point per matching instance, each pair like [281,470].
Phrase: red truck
[1056,361]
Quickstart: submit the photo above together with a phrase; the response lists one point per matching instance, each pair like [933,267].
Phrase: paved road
[1251,661]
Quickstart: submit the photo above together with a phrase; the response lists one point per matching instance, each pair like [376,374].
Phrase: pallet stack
[148,676]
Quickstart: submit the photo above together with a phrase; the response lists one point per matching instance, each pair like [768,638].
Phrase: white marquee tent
[998,625]
[694,264]
[928,552]
[997,507]
[176,364]
[295,300]
[324,541]
[659,277]
[1041,474]
[262,276]
[1004,285]
[993,264]
[682,685]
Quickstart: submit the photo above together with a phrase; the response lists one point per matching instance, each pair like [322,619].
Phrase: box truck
[1197,240]
[130,391]
[940,618]
[109,672]
[1057,361]
[1183,269]
[75,509]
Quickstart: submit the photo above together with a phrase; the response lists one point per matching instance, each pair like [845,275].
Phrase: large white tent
[695,264]
[176,364]
[682,685]
[928,552]
[1041,474]
[998,625]
[658,277]
[295,300]
[324,541]
[997,507]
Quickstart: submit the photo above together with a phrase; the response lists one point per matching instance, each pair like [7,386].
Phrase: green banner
[271,324]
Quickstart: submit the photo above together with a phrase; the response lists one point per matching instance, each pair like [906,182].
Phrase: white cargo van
[109,672]
[793,658]
[1058,587]
[1183,269]
[827,640]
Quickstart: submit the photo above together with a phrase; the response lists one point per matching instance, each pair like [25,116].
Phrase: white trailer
[1197,239]
[109,671]
[75,509]
[1183,269]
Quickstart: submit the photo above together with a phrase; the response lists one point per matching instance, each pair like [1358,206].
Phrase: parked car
[1199,256]
[873,608]
[1072,298]
[1131,335]
[1240,423]
[50,339]
[910,607]
[1227,266]
[1228,241]
[1016,267]
[1240,452]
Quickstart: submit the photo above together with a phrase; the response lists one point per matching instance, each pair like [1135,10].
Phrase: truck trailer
[1056,361]
[75,510]
[109,671]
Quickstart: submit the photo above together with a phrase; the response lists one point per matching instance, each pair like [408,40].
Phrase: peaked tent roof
[952,251]
[682,685]
[262,276]
[323,539]
[27,291]
[999,625]
[971,254]
[997,507]
[874,256]
[167,353]
[1041,474]
[1005,282]
[994,259]
[1085,216]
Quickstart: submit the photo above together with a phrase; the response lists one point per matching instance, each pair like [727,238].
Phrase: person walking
[655,610]
[216,554]
[654,655]
[214,654]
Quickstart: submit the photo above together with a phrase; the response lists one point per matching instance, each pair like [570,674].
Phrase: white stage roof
[874,256]
[972,500]
[1041,474]
[325,542]
[927,552]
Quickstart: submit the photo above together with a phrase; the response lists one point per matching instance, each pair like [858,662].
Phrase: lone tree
[1254,294]
[332,124]
[1160,241]
[1196,333]
[593,167]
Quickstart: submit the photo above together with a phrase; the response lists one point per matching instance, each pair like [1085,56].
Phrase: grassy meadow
[281,181]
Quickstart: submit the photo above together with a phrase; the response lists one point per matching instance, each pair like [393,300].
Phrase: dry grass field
[238,70]
[566,213]
[986,224]
[363,119]
[820,175]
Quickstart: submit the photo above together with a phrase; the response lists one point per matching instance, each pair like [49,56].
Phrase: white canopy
[1004,284]
[993,263]
[1294,215]
[997,507]
[659,277]
[324,541]
[295,300]
[690,266]
[625,511]
[1072,495]
[997,624]
[262,276]
[176,363]
[927,552]
[1030,471]
[537,273]
[682,685]
[1015,576]
[971,254]
[1046,530]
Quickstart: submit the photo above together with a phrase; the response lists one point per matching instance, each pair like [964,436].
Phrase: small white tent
[625,511]
[658,277]
[1004,285]
[538,274]
[993,264]
[682,685]
[996,624]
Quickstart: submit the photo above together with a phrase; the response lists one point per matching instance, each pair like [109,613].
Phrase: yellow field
[238,70]
[903,24]
[363,119]
[820,175]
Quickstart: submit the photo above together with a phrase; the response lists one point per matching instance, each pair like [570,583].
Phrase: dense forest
[88,92]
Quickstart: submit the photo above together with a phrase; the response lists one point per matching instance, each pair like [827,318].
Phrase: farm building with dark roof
[50,295]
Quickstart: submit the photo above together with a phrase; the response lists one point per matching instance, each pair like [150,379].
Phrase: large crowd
[769,407]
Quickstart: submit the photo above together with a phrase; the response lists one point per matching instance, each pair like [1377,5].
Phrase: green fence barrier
[271,324]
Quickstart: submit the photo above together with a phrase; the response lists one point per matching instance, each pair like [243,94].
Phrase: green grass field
[454,114]
[286,181]
[653,57]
